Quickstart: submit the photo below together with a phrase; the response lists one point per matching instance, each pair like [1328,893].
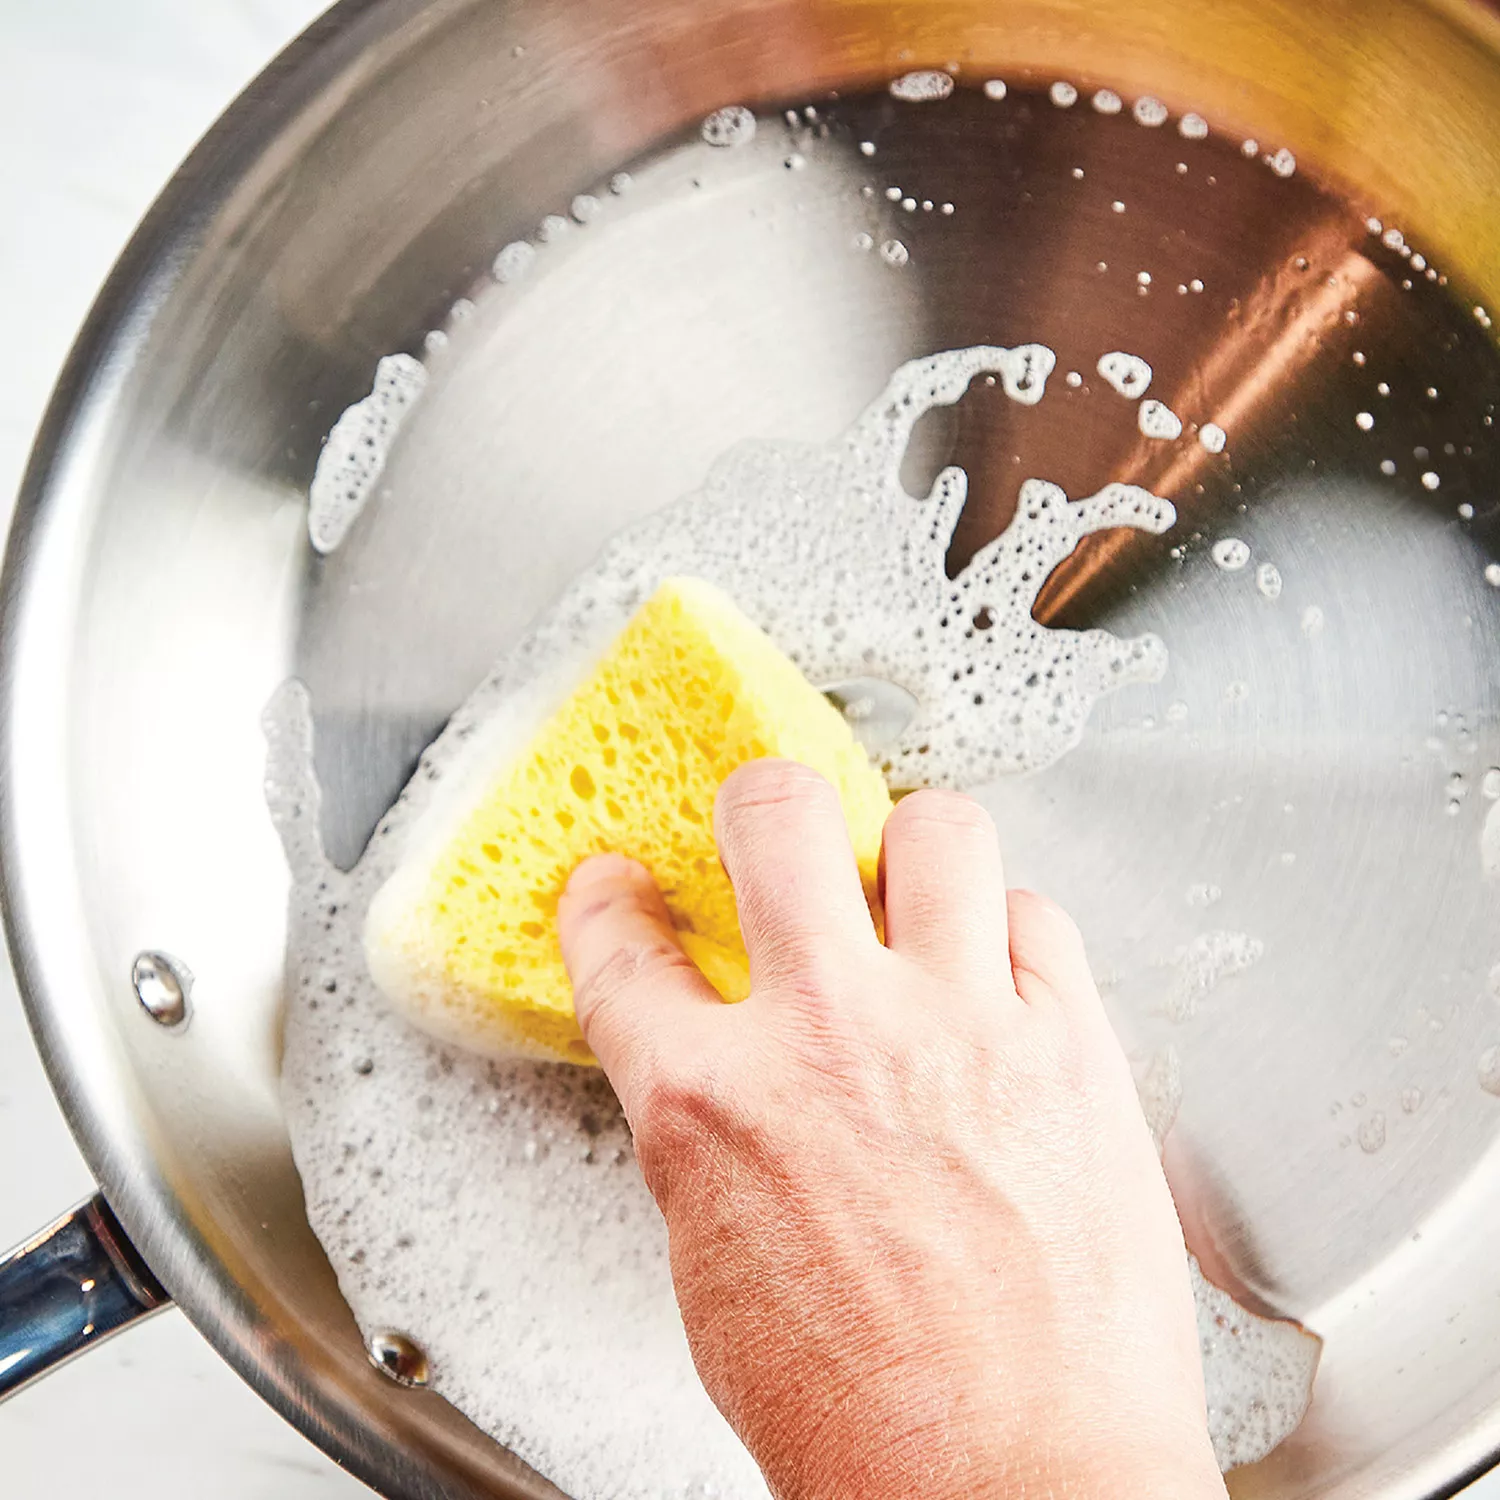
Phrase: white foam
[1063,94]
[513,261]
[1489,843]
[1107,102]
[1192,127]
[1129,374]
[1489,1070]
[1204,963]
[994,88]
[1230,554]
[1157,420]
[492,1210]
[1268,580]
[924,85]
[354,456]
[1212,437]
[1371,1133]
[1160,1091]
[1149,112]
[734,125]
[1258,1373]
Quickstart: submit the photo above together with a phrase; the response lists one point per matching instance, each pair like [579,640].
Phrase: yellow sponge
[463,937]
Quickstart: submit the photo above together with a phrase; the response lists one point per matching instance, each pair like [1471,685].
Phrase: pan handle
[70,1286]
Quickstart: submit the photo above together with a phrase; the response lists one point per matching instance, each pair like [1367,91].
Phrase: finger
[785,844]
[638,997]
[1048,958]
[945,887]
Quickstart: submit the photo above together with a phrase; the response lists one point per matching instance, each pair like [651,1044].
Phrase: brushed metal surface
[159,586]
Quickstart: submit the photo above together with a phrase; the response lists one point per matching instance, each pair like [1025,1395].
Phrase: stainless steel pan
[159,586]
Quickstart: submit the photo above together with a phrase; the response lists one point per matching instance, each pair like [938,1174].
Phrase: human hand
[919,1234]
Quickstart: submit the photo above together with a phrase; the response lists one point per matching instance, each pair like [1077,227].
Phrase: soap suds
[1129,374]
[734,125]
[1258,1373]
[1157,420]
[924,86]
[1230,554]
[513,262]
[1159,1089]
[354,456]
[1203,963]
[1489,843]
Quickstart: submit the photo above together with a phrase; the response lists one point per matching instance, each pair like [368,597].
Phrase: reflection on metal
[76,1282]
[399,1357]
[163,985]
[1281,331]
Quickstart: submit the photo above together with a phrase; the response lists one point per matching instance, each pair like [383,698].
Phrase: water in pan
[394,1135]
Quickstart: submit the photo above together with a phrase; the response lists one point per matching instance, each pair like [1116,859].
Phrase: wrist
[1007,1454]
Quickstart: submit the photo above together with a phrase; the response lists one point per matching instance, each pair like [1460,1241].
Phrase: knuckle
[823,973]
[830,1019]
[626,969]
[678,1114]
[814,989]
[769,785]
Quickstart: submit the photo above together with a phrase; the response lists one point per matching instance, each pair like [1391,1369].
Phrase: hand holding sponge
[463,937]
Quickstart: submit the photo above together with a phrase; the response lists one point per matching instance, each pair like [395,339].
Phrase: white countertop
[99,101]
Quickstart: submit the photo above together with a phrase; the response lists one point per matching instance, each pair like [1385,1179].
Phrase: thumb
[638,997]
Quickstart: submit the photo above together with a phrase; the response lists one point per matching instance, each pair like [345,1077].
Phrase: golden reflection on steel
[1240,379]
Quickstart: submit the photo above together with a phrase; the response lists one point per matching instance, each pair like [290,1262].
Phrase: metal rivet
[398,1357]
[163,985]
